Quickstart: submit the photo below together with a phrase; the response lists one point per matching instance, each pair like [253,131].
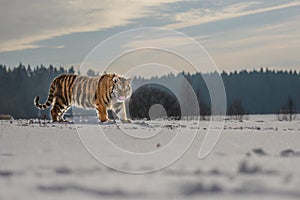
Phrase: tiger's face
[122,88]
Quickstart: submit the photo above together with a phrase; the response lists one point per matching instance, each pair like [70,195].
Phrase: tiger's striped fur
[106,92]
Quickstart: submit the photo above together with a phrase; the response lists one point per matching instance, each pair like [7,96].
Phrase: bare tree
[205,110]
[236,110]
[288,111]
[184,100]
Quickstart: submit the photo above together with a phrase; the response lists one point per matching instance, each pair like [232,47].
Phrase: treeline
[255,92]
[19,86]
[265,91]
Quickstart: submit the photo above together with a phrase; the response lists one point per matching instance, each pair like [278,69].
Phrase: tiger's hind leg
[61,116]
[55,113]
[59,109]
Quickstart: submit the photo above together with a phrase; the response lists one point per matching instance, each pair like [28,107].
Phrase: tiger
[109,91]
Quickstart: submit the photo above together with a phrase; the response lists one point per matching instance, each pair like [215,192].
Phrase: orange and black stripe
[60,91]
[68,89]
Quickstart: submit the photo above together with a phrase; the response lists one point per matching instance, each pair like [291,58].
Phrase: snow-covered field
[255,158]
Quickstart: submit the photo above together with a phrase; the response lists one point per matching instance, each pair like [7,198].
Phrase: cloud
[274,45]
[168,42]
[200,16]
[31,21]
[262,38]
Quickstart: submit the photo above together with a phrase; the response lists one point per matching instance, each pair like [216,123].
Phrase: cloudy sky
[240,34]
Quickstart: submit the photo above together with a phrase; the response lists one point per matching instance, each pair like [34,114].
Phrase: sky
[236,34]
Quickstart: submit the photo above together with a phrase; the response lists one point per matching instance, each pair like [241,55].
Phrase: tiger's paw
[66,122]
[126,121]
[109,121]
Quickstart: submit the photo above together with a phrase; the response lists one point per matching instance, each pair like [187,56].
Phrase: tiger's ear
[115,79]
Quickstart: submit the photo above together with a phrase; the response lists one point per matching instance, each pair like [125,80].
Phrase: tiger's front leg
[102,112]
[120,110]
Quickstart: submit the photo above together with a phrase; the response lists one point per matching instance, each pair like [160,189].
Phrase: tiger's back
[83,92]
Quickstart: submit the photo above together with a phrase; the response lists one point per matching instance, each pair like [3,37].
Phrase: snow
[254,158]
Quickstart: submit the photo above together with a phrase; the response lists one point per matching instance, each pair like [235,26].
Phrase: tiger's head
[122,89]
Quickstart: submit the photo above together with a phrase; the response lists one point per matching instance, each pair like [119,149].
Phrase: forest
[261,91]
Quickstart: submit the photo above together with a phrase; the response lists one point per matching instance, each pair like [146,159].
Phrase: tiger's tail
[49,100]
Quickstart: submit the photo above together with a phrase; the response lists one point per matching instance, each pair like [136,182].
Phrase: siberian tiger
[106,92]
